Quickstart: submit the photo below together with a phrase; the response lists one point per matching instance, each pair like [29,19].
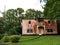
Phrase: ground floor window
[29,31]
[49,30]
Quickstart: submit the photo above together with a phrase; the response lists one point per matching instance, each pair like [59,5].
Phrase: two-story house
[38,27]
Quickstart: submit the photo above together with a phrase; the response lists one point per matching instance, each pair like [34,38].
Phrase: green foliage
[1,36]
[12,31]
[11,38]
[20,10]
[52,9]
[19,29]
[1,25]
[32,14]
[12,18]
[14,38]
[5,39]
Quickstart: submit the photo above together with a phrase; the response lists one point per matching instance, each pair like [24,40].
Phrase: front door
[40,30]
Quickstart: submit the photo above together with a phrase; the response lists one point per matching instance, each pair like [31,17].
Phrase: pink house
[38,27]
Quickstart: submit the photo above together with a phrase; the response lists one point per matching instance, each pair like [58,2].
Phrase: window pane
[29,22]
[49,22]
[29,30]
[49,30]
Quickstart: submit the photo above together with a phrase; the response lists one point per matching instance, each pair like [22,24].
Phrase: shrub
[1,36]
[5,39]
[19,29]
[12,31]
[15,38]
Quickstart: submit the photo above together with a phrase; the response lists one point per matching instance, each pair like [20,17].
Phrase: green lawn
[38,40]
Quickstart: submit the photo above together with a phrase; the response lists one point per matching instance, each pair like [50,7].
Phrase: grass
[38,40]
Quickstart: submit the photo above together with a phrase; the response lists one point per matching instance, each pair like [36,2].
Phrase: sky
[25,4]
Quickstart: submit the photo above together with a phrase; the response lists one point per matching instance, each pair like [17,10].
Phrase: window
[49,22]
[29,31]
[29,22]
[49,30]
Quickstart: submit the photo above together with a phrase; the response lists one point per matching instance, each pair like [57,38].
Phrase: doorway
[40,29]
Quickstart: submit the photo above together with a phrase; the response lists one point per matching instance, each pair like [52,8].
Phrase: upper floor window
[29,22]
[49,21]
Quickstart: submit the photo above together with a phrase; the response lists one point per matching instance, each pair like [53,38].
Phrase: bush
[15,38]
[1,36]
[12,31]
[19,29]
[5,39]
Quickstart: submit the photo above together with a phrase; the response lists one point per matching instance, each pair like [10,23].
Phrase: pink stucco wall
[26,25]
[52,26]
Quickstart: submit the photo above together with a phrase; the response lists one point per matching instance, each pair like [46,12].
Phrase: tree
[12,19]
[32,14]
[51,9]
[1,25]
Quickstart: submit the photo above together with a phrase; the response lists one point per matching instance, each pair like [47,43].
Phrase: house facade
[38,26]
